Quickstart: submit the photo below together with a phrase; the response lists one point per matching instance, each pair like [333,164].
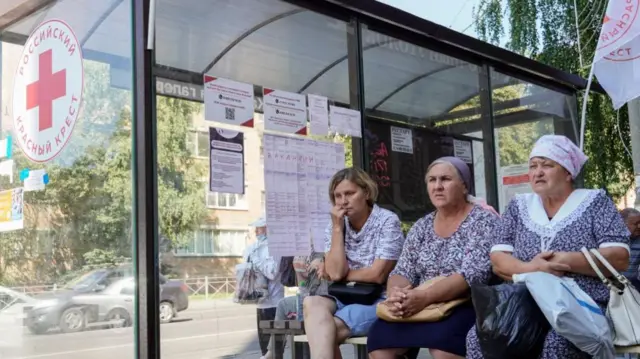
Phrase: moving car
[77,308]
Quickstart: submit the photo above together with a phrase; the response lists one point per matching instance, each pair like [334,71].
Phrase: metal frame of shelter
[356,13]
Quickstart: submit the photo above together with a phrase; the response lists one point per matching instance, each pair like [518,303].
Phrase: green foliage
[545,30]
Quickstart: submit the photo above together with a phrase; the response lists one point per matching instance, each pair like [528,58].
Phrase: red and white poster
[285,111]
[514,179]
[47,91]
[228,101]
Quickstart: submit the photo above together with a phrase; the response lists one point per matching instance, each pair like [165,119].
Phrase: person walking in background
[631,218]
[267,268]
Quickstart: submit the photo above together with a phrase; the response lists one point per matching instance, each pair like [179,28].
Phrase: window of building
[198,143]
[219,200]
[212,242]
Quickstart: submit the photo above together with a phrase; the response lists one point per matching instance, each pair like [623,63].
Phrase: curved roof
[274,44]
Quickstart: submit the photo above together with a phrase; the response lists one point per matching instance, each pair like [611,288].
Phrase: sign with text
[11,210]
[285,111]
[226,174]
[47,90]
[228,101]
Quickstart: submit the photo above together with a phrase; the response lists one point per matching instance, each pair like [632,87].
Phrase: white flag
[617,59]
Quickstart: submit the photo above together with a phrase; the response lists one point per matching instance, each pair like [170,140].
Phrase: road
[207,330]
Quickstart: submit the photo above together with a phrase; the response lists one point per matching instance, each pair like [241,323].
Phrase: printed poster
[285,111]
[401,140]
[11,210]
[318,115]
[462,150]
[228,101]
[345,121]
[297,172]
[226,170]
[513,180]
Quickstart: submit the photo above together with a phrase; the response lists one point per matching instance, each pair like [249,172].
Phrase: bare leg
[387,353]
[439,354]
[320,326]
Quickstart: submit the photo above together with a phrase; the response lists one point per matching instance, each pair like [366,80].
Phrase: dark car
[98,298]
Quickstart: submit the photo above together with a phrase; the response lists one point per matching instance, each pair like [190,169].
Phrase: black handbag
[356,292]
[287,272]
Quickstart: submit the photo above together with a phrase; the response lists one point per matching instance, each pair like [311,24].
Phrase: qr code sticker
[230,114]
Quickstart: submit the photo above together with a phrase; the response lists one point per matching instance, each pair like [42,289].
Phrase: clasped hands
[550,262]
[406,302]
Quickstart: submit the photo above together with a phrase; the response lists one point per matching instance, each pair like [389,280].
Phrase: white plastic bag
[571,312]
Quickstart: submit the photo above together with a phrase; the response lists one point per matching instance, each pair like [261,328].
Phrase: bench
[631,349]
[359,345]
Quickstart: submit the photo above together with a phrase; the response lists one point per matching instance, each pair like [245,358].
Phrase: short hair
[629,212]
[360,178]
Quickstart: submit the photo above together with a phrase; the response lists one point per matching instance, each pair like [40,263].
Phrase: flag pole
[583,119]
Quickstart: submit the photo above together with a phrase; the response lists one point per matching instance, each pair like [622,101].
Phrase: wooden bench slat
[354,340]
[631,349]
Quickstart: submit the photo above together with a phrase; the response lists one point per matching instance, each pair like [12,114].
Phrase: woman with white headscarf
[545,230]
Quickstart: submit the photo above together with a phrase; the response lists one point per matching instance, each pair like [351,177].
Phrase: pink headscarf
[561,150]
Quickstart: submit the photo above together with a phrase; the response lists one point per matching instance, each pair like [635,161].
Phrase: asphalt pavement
[207,330]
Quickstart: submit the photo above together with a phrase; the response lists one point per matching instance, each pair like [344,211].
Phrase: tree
[546,31]
[87,206]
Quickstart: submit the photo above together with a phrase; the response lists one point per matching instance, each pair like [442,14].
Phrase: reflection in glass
[76,237]
[265,43]
[523,112]
[433,99]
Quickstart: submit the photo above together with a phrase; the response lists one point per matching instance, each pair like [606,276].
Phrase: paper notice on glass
[345,121]
[11,210]
[287,225]
[226,169]
[328,159]
[297,174]
[36,180]
[462,150]
[513,180]
[318,115]
[6,169]
[285,111]
[228,101]
[401,140]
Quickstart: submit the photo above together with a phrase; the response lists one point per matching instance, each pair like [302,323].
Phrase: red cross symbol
[49,87]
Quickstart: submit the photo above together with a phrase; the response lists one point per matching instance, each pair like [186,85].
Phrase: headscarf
[460,166]
[561,150]
[465,175]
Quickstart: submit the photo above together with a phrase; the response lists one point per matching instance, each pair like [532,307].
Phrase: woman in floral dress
[449,242]
[545,230]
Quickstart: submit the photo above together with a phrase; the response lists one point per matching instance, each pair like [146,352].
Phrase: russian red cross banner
[47,91]
[616,62]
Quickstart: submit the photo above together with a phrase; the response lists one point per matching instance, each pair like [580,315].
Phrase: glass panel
[66,234]
[429,104]
[523,112]
[203,144]
[263,43]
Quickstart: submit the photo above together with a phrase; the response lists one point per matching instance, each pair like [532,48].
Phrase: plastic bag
[571,312]
[509,324]
[249,289]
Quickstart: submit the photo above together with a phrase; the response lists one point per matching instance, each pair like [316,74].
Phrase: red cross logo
[49,87]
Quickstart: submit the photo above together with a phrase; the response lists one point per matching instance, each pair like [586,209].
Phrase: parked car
[76,309]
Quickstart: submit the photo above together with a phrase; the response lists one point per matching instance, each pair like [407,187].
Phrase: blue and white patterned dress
[588,219]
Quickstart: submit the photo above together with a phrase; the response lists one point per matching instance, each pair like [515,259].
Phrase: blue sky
[457,14]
